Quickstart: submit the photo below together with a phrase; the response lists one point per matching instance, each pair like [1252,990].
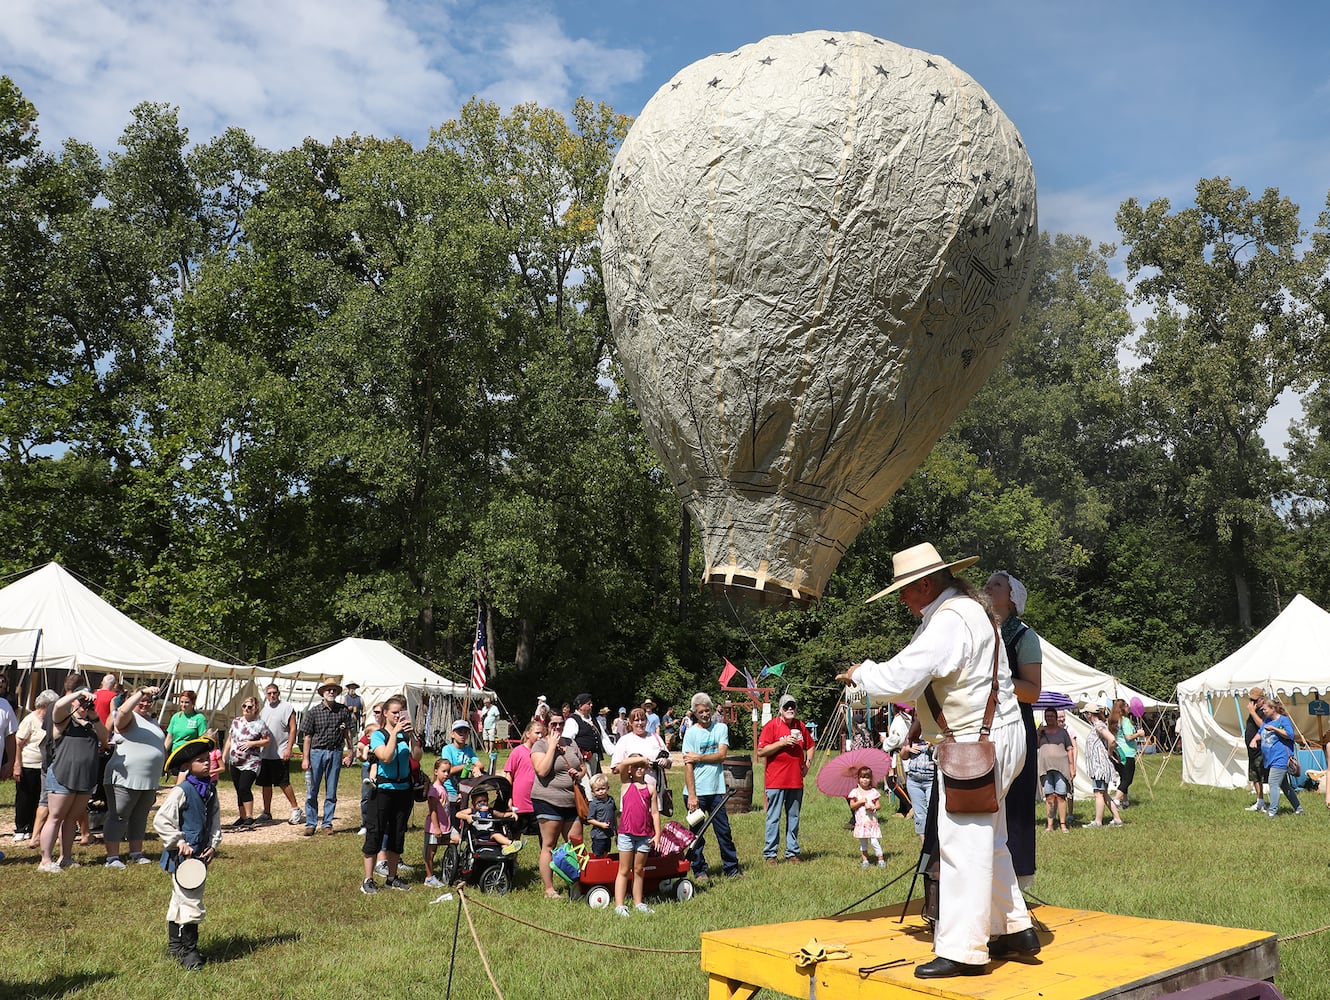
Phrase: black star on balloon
[714,82]
[767,61]
[824,71]
[988,175]
[829,41]
[1014,213]
[984,105]
[975,178]
[1019,143]
[675,85]
[983,200]
[974,230]
[1008,263]
[939,97]
[930,64]
[881,70]
[1007,245]
[987,227]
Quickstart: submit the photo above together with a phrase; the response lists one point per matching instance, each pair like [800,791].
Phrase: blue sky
[1113,100]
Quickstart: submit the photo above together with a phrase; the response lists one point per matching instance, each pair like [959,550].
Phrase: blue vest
[195,821]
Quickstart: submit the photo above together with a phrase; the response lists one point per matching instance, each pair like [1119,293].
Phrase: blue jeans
[720,822]
[920,791]
[325,767]
[1279,781]
[787,800]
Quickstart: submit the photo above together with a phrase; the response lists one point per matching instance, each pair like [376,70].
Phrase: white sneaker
[1256,806]
[434,882]
[621,911]
[50,866]
[139,859]
[297,817]
[360,832]
[404,869]
[643,908]
[115,863]
[381,869]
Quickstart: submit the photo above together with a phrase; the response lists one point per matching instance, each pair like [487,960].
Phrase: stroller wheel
[598,898]
[684,890]
[448,867]
[495,879]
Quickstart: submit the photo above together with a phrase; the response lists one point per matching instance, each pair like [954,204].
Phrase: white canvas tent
[1287,659]
[60,626]
[381,669]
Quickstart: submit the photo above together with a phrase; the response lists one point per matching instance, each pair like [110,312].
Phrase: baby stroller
[473,859]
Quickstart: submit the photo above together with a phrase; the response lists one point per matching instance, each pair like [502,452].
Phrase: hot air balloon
[815,249]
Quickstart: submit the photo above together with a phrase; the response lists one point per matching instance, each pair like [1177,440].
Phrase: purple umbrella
[1054,699]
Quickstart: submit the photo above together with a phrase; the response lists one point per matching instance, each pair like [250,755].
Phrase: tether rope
[573,937]
[476,938]
[1280,939]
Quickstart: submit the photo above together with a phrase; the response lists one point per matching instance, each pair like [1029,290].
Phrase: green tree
[1233,327]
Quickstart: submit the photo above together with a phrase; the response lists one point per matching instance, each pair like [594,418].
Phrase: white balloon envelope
[815,250]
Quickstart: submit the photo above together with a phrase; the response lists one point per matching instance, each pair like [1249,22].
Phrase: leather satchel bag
[968,770]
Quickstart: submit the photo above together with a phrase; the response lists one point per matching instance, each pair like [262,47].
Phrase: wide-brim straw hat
[329,682]
[915,563]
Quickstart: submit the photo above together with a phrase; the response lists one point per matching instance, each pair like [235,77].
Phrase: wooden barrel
[739,778]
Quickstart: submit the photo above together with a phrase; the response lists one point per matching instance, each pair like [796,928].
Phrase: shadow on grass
[56,986]
[228,949]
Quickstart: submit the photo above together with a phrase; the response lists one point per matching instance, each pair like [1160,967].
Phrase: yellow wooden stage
[1085,955]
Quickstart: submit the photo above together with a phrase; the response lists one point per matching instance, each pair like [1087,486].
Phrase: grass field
[287,920]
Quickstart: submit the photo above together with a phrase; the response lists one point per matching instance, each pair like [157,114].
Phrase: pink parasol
[840,775]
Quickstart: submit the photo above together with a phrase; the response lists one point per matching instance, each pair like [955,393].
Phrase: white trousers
[978,896]
[186,906]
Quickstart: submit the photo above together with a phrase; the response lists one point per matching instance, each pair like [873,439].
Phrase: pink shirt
[635,811]
[523,776]
[439,822]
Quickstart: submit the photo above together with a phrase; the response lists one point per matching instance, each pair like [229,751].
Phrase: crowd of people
[971,674]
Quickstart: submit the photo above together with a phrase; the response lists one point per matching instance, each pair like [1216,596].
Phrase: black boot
[189,940]
[173,947]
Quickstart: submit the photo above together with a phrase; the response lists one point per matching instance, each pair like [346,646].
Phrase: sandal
[554,894]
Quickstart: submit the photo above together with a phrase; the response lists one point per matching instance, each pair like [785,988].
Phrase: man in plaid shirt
[326,729]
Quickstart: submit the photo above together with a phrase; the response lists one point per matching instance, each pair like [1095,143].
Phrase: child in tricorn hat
[189,825]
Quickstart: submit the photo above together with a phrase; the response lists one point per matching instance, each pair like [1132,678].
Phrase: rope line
[580,940]
[888,885]
[476,938]
[1280,939]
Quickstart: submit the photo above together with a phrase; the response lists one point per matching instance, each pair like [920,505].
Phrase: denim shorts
[548,813]
[1055,783]
[1101,786]
[53,786]
[634,845]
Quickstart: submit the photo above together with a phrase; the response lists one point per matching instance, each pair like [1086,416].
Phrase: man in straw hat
[953,652]
[190,826]
[328,732]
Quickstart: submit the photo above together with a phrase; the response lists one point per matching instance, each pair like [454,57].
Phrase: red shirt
[785,767]
[101,703]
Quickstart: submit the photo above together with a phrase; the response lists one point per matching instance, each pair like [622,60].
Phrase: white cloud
[289,69]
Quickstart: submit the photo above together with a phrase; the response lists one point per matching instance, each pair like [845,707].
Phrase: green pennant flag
[774,671]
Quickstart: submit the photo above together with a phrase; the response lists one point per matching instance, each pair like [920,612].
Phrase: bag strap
[989,711]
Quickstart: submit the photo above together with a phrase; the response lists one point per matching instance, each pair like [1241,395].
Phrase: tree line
[272,398]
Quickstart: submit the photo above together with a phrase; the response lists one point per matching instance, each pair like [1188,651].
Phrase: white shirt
[953,646]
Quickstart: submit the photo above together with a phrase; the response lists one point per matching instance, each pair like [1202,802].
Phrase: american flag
[479,657]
